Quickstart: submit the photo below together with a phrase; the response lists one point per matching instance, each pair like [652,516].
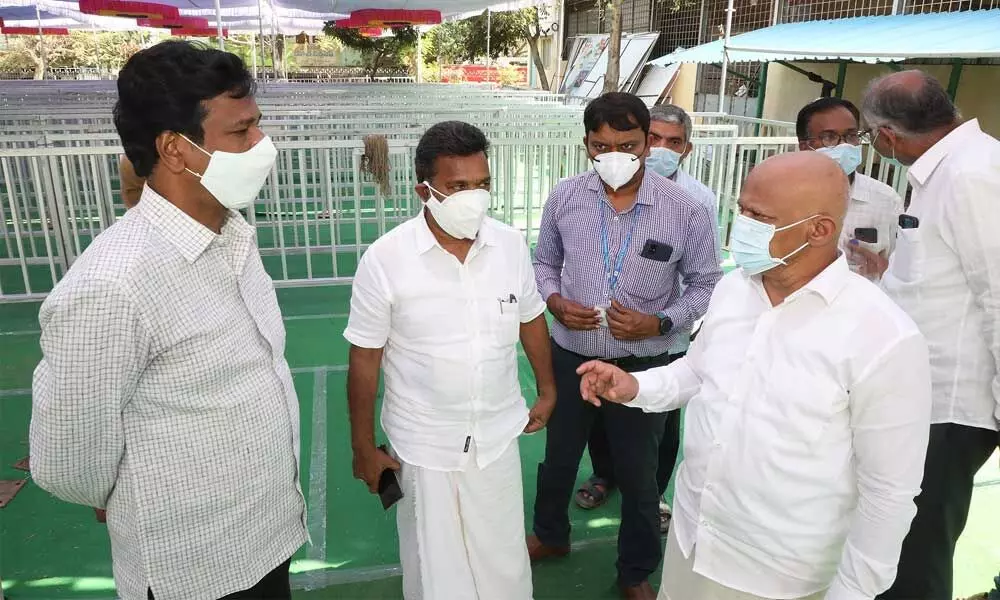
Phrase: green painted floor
[49,549]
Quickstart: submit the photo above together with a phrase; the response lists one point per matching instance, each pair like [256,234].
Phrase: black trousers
[274,586]
[670,443]
[634,438]
[954,454]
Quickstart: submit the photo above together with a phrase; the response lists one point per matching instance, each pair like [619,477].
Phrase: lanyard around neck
[612,272]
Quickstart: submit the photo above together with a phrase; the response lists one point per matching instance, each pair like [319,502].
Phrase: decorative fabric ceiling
[289,17]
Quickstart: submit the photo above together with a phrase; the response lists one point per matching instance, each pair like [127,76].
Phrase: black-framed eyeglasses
[829,139]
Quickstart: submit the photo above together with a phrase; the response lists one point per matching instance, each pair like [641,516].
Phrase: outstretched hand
[600,381]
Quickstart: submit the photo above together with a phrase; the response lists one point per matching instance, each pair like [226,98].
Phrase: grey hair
[907,111]
[669,113]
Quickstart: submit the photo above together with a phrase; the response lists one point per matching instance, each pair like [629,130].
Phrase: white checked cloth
[164,396]
[873,204]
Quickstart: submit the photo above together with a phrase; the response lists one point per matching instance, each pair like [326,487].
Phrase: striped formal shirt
[164,396]
[569,259]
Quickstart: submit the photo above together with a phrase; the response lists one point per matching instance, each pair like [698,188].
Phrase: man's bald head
[793,187]
[909,112]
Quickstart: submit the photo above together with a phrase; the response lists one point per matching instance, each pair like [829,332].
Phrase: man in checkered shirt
[163,395]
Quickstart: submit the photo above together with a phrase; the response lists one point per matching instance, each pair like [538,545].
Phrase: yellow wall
[788,91]
[682,94]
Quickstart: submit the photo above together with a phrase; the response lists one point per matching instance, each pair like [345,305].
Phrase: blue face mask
[663,161]
[751,244]
[846,155]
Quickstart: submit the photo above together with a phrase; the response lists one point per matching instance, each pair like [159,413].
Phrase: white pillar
[725,58]
[41,42]
[253,53]
[420,56]
[218,24]
[489,41]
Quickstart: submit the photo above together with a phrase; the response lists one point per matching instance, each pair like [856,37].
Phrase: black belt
[626,362]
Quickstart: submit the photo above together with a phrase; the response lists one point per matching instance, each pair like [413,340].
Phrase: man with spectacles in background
[831,126]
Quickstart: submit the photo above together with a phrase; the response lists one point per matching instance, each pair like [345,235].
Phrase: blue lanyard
[613,273]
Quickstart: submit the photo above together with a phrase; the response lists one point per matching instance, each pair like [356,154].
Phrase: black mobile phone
[908,222]
[389,491]
[658,251]
[868,235]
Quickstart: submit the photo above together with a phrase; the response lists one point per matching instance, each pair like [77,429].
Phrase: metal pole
[218,24]
[41,43]
[253,53]
[725,58]
[274,38]
[489,41]
[260,31]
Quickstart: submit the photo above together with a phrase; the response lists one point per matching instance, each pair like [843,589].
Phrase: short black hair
[448,138]
[821,106]
[619,110]
[162,89]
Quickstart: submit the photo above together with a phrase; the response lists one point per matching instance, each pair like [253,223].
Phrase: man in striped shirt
[612,244]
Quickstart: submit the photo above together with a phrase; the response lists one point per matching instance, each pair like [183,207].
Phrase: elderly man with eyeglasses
[831,126]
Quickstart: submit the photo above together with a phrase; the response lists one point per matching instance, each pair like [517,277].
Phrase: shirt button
[717,443]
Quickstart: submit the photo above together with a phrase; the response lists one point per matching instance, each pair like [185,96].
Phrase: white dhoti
[680,582]
[461,533]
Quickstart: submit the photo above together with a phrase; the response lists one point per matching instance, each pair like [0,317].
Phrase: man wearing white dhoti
[439,304]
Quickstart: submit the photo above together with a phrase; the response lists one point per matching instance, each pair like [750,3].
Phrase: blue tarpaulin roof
[968,34]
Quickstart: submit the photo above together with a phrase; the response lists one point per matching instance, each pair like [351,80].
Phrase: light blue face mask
[751,244]
[663,161]
[846,155]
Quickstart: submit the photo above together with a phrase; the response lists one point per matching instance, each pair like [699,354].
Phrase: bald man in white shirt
[944,274]
[808,408]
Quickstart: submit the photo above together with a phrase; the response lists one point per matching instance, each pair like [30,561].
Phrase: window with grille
[910,7]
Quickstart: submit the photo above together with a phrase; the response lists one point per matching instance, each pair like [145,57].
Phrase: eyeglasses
[829,139]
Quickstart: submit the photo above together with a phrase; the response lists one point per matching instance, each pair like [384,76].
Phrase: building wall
[788,91]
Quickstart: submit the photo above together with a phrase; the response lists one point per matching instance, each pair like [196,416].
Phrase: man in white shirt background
[945,274]
[163,394]
[832,126]
[439,304]
[670,130]
[808,408]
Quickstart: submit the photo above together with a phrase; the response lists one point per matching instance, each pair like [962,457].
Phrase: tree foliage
[106,51]
[497,34]
[376,53]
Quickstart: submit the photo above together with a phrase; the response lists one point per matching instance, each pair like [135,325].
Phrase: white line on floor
[317,472]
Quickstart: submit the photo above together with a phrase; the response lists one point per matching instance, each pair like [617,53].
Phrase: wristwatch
[665,323]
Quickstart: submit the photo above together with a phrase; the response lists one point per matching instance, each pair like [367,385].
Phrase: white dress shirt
[875,205]
[706,196]
[450,333]
[946,273]
[805,435]
[164,395]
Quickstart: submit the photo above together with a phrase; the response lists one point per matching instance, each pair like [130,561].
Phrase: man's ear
[804,145]
[171,149]
[824,231]
[687,150]
[423,191]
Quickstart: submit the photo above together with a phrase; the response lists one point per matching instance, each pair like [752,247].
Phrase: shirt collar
[924,166]
[188,236]
[644,197]
[426,241]
[828,284]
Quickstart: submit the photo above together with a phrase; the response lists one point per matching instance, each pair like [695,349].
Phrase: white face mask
[616,168]
[460,214]
[235,179]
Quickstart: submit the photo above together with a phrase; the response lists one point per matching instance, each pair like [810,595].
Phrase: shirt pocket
[651,279]
[506,324]
[909,256]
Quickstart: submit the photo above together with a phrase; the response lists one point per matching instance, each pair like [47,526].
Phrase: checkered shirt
[164,396]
